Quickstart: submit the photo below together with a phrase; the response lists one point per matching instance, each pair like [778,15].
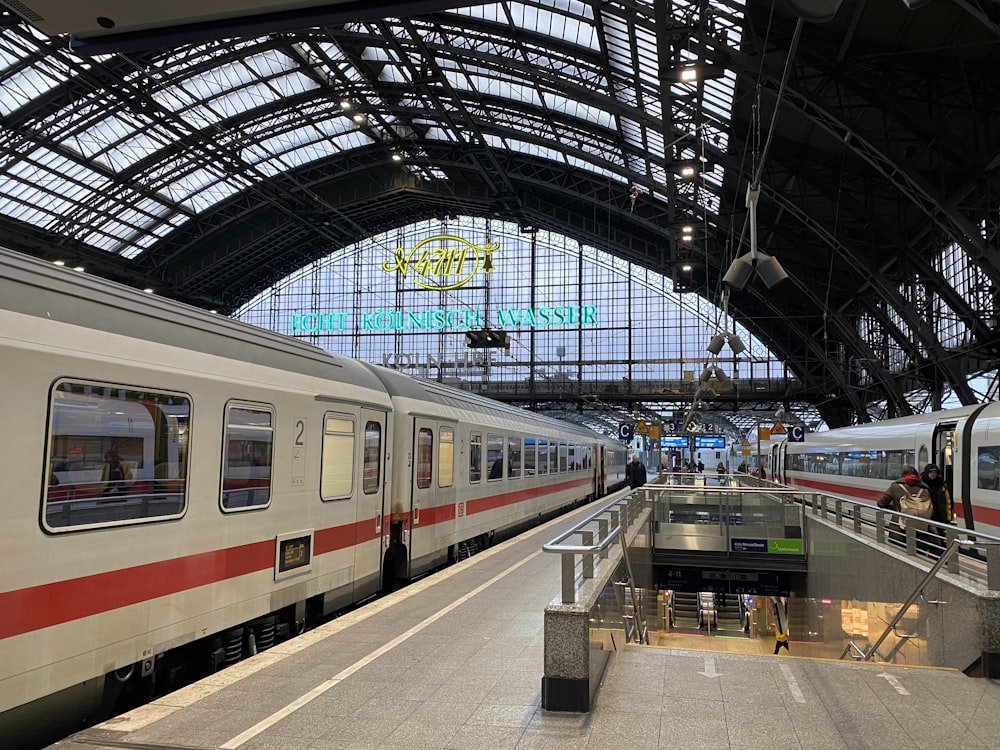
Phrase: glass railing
[721,513]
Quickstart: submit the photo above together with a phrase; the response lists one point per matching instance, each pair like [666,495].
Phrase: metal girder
[952,223]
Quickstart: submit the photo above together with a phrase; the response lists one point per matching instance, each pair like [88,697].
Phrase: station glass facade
[571,313]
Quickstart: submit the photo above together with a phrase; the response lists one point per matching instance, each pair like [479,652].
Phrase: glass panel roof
[108,149]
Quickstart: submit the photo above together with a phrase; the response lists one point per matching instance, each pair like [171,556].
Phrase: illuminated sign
[673,442]
[507,318]
[442,262]
[710,442]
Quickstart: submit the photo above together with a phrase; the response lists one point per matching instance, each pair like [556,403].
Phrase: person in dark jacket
[908,484]
[635,472]
[940,498]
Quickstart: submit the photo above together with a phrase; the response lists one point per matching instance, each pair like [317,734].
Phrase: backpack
[918,504]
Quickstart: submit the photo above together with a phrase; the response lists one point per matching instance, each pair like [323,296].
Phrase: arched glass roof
[137,150]
[211,170]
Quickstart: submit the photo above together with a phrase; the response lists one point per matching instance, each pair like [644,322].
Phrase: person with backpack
[909,495]
[940,501]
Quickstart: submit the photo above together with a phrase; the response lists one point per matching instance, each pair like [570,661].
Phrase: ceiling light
[81,269]
[148,290]
[397,156]
[686,267]
[345,104]
[358,117]
[59,262]
[692,72]
[687,171]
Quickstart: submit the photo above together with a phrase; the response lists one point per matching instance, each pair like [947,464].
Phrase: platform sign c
[796,434]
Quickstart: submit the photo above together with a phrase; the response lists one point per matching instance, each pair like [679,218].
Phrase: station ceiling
[211,160]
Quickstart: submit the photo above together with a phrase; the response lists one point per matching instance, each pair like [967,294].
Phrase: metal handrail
[621,511]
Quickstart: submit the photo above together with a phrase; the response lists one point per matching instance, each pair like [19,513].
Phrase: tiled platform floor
[455,661]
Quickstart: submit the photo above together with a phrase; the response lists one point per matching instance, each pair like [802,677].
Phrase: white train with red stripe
[180,490]
[860,461]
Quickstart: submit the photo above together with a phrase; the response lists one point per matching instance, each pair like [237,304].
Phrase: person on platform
[635,472]
[721,468]
[907,486]
[779,612]
[940,498]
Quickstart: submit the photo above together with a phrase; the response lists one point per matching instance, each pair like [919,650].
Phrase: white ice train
[180,490]
[860,461]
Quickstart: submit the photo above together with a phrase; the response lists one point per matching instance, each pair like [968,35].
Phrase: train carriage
[860,461]
[472,467]
[181,490]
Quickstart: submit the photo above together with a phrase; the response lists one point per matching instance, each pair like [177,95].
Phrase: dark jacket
[635,474]
[940,498]
[890,498]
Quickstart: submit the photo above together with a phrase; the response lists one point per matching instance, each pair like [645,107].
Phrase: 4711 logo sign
[442,262]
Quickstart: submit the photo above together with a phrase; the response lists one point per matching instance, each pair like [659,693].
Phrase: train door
[600,475]
[371,511]
[419,541]
[778,462]
[942,451]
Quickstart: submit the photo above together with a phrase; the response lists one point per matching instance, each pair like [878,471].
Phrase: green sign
[784,546]
[448,319]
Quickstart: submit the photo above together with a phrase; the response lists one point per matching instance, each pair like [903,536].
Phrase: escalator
[705,612]
[684,611]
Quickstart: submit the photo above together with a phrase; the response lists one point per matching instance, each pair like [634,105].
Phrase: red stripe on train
[982,514]
[51,604]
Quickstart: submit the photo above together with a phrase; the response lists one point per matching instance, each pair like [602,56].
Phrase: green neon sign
[456,319]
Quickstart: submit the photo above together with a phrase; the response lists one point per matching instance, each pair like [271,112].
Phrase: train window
[553,457]
[475,457]
[116,455]
[988,473]
[529,457]
[446,457]
[513,457]
[563,453]
[337,471]
[543,457]
[246,462]
[371,472]
[425,457]
[494,455]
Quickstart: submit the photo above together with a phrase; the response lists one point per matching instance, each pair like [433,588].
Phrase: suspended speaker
[815,11]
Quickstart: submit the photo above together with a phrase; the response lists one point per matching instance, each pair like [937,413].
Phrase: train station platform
[456,661]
